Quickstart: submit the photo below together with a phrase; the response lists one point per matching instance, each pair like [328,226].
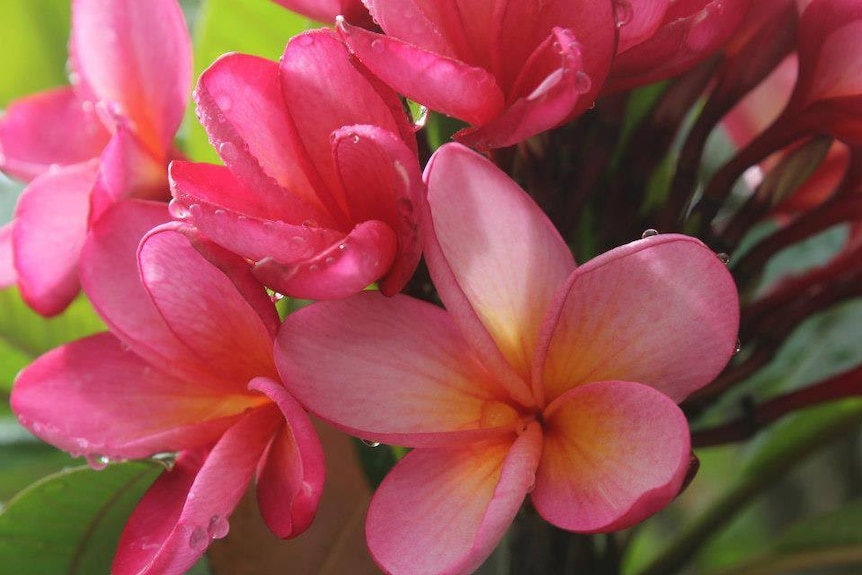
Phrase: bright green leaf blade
[71,522]
[259,28]
[24,335]
[33,38]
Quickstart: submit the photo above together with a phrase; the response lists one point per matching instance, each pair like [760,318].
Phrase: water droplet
[166,460]
[377,46]
[228,151]
[97,462]
[195,210]
[354,138]
[312,268]
[296,244]
[420,117]
[342,246]
[738,347]
[723,258]
[582,82]
[220,213]
[649,233]
[177,209]
[370,443]
[218,527]
[310,224]
[623,12]
[198,540]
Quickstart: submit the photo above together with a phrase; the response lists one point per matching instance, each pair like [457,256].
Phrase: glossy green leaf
[70,522]
[25,458]
[260,28]
[33,38]
[24,335]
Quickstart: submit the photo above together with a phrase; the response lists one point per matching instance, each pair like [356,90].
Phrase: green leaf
[71,522]
[259,28]
[33,38]
[24,335]
[25,459]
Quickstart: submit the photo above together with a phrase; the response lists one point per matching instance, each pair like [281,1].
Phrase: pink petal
[52,128]
[662,311]
[432,26]
[109,274]
[135,56]
[290,479]
[399,349]
[181,514]
[343,269]
[241,106]
[127,170]
[324,90]
[215,202]
[544,101]
[638,20]
[443,511]
[382,181]
[326,10]
[8,275]
[94,397]
[614,453]
[458,89]
[202,306]
[497,290]
[49,231]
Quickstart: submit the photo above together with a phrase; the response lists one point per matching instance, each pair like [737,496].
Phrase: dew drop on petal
[227,150]
[198,539]
[738,347]
[371,443]
[195,211]
[177,209]
[649,233]
[420,117]
[311,224]
[97,462]
[166,460]
[623,12]
[354,138]
[312,268]
[377,46]
[296,244]
[218,527]
[723,258]
[329,261]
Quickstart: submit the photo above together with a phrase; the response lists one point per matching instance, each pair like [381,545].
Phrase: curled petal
[344,268]
[497,290]
[290,478]
[181,514]
[52,128]
[458,89]
[614,453]
[167,262]
[115,404]
[49,232]
[382,181]
[135,56]
[662,311]
[400,349]
[443,511]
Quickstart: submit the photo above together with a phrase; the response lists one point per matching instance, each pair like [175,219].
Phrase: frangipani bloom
[187,367]
[328,10]
[510,68]
[321,171]
[107,137]
[538,378]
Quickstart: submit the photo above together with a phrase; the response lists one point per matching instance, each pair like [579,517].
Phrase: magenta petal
[638,20]
[442,83]
[443,511]
[614,453]
[343,269]
[662,311]
[94,397]
[550,102]
[135,56]
[400,349]
[197,301]
[52,128]
[240,104]
[382,181]
[49,232]
[181,514]
[326,10]
[8,275]
[290,480]
[497,290]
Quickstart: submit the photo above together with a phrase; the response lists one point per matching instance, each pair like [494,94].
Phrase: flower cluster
[536,380]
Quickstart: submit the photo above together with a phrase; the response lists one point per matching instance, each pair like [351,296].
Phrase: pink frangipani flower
[321,171]
[509,68]
[107,137]
[187,367]
[539,378]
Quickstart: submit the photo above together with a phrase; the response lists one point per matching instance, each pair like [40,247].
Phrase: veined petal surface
[614,453]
